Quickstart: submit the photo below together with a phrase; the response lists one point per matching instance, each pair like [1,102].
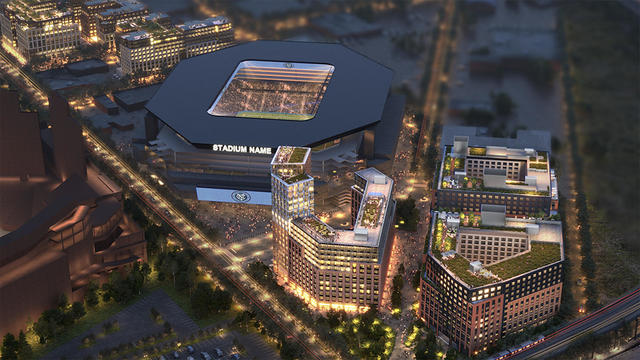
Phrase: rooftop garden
[477,151]
[290,154]
[541,254]
[469,182]
[460,267]
[458,165]
[297,155]
[538,165]
[444,239]
[371,212]
[319,227]
[295,178]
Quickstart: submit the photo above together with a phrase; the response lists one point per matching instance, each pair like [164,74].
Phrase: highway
[227,264]
[626,307]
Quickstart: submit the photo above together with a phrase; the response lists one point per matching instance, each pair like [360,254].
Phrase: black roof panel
[354,99]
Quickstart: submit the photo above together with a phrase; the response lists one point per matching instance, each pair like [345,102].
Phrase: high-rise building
[38,28]
[478,169]
[152,43]
[291,197]
[331,268]
[488,276]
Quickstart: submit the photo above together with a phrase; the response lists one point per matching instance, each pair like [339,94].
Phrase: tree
[407,214]
[478,117]
[289,350]
[221,300]
[77,310]
[91,295]
[24,349]
[10,347]
[503,104]
[452,354]
[63,301]
[200,300]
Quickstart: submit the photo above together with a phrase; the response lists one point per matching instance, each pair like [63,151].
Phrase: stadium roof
[354,99]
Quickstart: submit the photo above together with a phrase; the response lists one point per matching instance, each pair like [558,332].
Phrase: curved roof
[354,99]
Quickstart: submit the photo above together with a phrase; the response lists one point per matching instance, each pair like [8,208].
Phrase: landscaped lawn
[541,254]
[460,266]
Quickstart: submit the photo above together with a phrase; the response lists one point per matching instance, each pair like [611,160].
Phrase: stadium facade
[217,120]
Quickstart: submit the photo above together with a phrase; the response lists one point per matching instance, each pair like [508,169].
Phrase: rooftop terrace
[290,155]
[536,166]
[371,215]
[31,10]
[545,247]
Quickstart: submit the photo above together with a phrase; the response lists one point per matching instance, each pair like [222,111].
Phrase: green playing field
[276,116]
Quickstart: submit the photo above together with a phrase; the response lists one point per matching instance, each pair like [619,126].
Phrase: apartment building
[327,267]
[155,43]
[95,13]
[489,277]
[37,28]
[291,197]
[477,170]
[205,36]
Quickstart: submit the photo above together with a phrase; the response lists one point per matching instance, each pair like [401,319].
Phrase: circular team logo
[240,196]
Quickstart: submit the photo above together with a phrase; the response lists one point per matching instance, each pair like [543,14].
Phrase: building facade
[95,12]
[205,36]
[332,268]
[151,43]
[484,282]
[38,28]
[61,225]
[474,172]
[291,197]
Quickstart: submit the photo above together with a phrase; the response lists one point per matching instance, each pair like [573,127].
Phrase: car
[162,357]
[176,355]
[205,356]
[190,358]
[234,357]
[218,353]
[190,349]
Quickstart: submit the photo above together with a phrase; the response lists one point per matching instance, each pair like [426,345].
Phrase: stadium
[217,119]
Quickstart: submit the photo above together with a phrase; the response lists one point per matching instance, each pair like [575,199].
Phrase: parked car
[218,353]
[176,355]
[205,356]
[190,349]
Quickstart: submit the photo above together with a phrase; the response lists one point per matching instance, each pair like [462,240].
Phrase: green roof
[541,254]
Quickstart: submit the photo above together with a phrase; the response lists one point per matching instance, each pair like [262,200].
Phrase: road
[430,109]
[218,257]
[612,314]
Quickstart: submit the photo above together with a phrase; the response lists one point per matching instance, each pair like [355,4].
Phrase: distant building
[331,268]
[107,12]
[152,43]
[477,170]
[58,230]
[38,28]
[489,278]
